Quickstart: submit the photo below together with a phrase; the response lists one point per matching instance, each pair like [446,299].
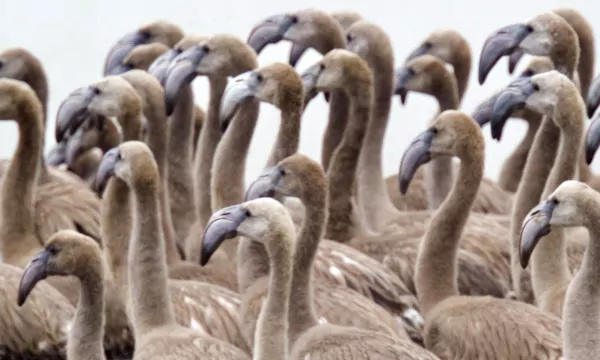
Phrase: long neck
[288,137]
[87,334]
[439,173]
[116,225]
[462,71]
[512,168]
[581,328]
[180,157]
[271,335]
[435,273]
[342,170]
[372,195]
[150,300]
[158,137]
[302,315]
[205,153]
[227,183]
[539,163]
[549,260]
[338,118]
[38,81]
[18,190]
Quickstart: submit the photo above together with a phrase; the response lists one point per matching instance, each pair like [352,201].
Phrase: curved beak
[593,99]
[120,69]
[421,50]
[296,53]
[34,272]
[106,169]
[483,113]
[180,73]
[221,226]
[160,65]
[72,111]
[265,185]
[535,226]
[310,78]
[513,98]
[57,154]
[241,88]
[402,76]
[417,154]
[270,31]
[513,60]
[121,50]
[502,42]
[592,140]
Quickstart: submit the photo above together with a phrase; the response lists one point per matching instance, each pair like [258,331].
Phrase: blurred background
[71,37]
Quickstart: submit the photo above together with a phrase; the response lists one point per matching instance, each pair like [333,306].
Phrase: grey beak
[593,99]
[483,113]
[310,77]
[239,89]
[270,31]
[121,50]
[402,76]
[265,185]
[106,169]
[416,155]
[120,69]
[502,42]
[57,154]
[513,98]
[33,273]
[74,147]
[535,226]
[221,226]
[296,53]
[160,65]
[592,140]
[73,111]
[513,60]
[181,72]
[421,50]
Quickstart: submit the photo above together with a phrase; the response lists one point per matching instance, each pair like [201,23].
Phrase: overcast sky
[71,38]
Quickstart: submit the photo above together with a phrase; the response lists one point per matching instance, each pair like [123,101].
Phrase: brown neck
[116,225]
[512,168]
[180,157]
[342,171]
[271,336]
[539,163]
[87,334]
[288,137]
[158,138]
[372,195]
[17,228]
[227,183]
[435,273]
[131,125]
[439,173]
[338,118]
[37,80]
[581,331]
[549,263]
[207,145]
[302,314]
[151,305]
[462,71]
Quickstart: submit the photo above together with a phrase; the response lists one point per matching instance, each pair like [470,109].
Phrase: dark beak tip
[403,185]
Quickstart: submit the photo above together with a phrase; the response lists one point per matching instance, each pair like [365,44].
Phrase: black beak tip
[403,185]
[224,125]
[589,155]
[591,109]
[169,107]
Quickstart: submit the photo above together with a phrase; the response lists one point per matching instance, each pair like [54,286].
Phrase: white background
[71,38]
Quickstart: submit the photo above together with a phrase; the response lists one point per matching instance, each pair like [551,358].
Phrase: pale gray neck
[180,158]
[205,152]
[87,334]
[151,305]
[271,335]
[538,167]
[435,273]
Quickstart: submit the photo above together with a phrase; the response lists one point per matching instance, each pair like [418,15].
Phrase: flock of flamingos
[136,237]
